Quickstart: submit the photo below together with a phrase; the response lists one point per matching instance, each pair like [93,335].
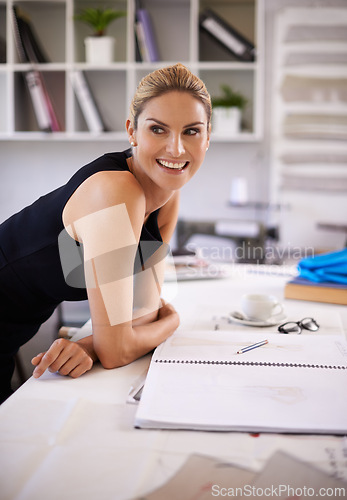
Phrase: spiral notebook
[294,383]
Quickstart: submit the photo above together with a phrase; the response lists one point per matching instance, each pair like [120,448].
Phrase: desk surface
[74,438]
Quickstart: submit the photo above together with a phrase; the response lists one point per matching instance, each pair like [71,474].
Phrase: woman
[113,211]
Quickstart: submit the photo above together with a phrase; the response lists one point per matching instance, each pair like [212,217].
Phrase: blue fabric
[330,267]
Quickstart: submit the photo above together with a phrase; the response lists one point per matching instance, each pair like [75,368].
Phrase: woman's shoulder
[103,189]
[112,185]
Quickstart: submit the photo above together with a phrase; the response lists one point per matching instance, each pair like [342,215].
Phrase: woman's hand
[167,311]
[65,357]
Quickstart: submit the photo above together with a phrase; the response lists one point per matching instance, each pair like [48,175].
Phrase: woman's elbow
[112,348]
[112,364]
[111,360]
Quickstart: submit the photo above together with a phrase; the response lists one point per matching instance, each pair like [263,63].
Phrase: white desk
[74,439]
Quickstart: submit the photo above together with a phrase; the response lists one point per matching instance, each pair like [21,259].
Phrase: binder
[38,99]
[2,50]
[141,42]
[86,102]
[227,36]
[32,50]
[145,35]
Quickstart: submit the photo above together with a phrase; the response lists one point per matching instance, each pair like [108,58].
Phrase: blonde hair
[161,81]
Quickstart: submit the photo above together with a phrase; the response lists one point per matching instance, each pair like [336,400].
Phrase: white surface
[66,438]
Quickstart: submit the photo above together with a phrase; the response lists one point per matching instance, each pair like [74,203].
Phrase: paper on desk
[252,451]
[286,477]
[52,416]
[195,479]
[136,388]
[327,453]
[171,449]
[87,472]
[282,476]
[92,440]
[24,445]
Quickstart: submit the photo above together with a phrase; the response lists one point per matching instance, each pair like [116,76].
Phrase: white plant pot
[226,121]
[100,49]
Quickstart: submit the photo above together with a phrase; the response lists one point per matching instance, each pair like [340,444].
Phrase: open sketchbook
[295,383]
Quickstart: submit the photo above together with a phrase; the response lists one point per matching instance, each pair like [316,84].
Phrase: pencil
[253,346]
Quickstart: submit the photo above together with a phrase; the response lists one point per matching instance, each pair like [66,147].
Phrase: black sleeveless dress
[32,281]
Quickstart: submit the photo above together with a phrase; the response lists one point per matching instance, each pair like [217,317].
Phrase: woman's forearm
[145,318]
[146,328]
[148,336]
[119,346]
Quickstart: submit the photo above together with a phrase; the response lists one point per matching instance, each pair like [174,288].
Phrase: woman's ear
[209,130]
[130,130]
[208,136]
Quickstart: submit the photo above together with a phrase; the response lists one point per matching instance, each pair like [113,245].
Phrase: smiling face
[171,137]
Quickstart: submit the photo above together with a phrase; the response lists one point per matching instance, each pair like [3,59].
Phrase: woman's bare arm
[117,338]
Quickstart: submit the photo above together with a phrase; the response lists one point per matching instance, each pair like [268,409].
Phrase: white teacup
[260,306]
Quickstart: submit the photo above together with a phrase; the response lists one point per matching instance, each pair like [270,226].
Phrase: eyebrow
[165,125]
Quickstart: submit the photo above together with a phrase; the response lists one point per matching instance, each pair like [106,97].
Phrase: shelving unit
[176,27]
[309,123]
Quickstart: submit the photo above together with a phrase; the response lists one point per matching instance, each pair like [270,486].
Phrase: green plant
[229,99]
[98,19]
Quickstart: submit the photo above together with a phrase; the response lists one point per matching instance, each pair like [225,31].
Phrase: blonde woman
[117,213]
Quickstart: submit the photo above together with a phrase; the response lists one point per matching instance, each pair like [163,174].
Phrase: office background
[31,168]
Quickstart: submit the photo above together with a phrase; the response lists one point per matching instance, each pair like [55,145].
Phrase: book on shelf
[30,51]
[142,50]
[31,46]
[303,289]
[2,50]
[138,41]
[87,102]
[198,381]
[227,36]
[37,93]
[145,35]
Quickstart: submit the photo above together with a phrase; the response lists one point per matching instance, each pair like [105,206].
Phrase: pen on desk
[253,346]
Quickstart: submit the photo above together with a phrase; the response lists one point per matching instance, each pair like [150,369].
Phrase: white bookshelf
[309,121]
[176,27]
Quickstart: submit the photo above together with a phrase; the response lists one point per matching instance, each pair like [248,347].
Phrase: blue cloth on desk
[331,267]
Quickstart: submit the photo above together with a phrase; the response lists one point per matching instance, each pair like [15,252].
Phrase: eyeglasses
[297,326]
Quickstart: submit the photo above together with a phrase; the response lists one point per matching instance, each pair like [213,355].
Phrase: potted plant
[227,111]
[99,47]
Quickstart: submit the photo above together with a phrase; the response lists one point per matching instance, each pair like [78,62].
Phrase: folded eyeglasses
[297,326]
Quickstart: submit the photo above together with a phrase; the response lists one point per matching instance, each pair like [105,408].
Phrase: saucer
[274,320]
